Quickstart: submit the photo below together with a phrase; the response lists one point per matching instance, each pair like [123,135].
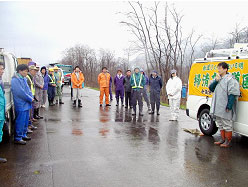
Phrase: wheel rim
[205,121]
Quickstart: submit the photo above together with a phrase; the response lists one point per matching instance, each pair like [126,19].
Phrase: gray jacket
[226,86]
[38,81]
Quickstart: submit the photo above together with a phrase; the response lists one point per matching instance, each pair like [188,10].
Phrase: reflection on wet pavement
[107,146]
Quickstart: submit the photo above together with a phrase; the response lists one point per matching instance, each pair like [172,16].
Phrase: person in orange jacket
[103,81]
[77,80]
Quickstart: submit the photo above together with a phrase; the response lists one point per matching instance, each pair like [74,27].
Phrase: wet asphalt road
[97,147]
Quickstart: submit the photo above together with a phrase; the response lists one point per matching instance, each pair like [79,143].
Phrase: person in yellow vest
[51,87]
[138,82]
[58,82]
[30,80]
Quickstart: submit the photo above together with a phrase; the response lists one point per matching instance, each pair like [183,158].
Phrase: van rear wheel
[206,123]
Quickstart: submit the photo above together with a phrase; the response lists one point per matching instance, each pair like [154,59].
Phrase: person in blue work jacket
[23,98]
[2,107]
[156,85]
[138,82]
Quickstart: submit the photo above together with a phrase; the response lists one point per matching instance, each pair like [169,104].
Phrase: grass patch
[97,89]
[183,107]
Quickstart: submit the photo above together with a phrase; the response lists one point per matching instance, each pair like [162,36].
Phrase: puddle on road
[77,132]
[60,120]
[50,130]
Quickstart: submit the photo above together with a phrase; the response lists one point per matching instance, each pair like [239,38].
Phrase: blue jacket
[22,94]
[155,84]
[46,81]
[2,104]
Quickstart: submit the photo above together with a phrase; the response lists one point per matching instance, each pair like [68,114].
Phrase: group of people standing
[134,88]
[31,85]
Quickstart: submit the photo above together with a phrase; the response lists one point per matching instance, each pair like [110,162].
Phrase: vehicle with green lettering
[202,72]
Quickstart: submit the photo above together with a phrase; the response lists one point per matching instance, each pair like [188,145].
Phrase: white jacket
[174,88]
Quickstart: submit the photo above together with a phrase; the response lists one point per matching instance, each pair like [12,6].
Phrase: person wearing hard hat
[173,89]
[51,87]
[2,107]
[58,81]
[103,81]
[138,82]
[77,80]
[156,85]
[145,95]
[30,80]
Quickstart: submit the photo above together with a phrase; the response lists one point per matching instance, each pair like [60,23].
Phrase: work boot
[60,102]
[151,112]
[38,113]
[222,140]
[35,114]
[80,103]
[29,131]
[52,102]
[74,103]
[149,108]
[34,120]
[3,160]
[158,107]
[32,127]
[20,142]
[227,143]
[134,112]
[27,138]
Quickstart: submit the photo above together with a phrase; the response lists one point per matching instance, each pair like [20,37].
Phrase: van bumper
[187,112]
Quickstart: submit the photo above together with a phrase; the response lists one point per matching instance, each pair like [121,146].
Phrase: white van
[202,72]
[10,64]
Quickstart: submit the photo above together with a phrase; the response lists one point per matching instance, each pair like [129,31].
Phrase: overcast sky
[42,30]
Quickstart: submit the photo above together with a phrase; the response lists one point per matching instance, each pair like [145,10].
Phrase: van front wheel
[206,123]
